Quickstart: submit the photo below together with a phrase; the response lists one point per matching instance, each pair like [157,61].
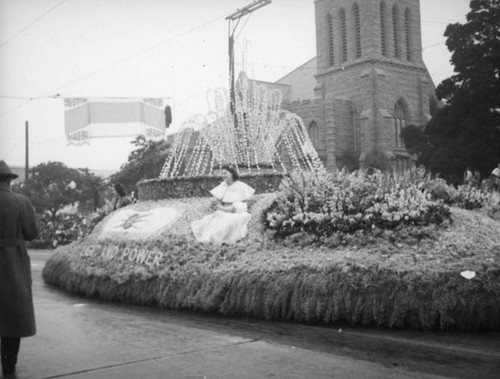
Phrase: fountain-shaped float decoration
[258,135]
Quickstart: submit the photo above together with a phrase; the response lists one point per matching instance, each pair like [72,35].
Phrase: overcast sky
[175,49]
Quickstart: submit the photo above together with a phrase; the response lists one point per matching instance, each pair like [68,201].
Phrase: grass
[409,278]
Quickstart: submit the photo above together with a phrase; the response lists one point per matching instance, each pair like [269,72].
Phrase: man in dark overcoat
[17,224]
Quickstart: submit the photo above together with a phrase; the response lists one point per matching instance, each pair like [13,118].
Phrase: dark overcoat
[17,224]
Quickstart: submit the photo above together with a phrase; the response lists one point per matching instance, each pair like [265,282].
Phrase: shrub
[64,228]
[465,196]
[375,160]
[492,205]
[469,197]
[323,204]
[438,189]
[59,230]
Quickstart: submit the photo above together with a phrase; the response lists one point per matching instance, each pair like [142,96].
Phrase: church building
[367,82]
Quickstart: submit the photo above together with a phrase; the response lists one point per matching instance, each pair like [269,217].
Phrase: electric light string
[32,23]
[247,139]
[50,93]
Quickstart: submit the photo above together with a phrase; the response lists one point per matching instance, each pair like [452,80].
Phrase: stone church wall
[370,69]
[312,111]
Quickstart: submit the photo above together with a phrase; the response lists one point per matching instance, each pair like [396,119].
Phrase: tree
[92,186]
[376,160]
[52,186]
[414,139]
[145,162]
[466,132]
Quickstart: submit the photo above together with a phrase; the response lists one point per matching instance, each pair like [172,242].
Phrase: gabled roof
[309,65]
[301,81]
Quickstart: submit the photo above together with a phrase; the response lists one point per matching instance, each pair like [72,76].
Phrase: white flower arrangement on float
[470,197]
[347,202]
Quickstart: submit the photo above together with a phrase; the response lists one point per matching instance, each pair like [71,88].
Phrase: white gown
[224,227]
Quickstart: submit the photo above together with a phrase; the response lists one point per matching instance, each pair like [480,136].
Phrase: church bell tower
[369,60]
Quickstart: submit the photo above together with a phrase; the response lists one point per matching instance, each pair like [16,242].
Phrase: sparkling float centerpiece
[258,134]
[258,137]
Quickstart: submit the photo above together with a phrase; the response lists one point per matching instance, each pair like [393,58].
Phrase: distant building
[367,82]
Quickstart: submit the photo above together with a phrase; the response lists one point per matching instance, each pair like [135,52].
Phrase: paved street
[86,338]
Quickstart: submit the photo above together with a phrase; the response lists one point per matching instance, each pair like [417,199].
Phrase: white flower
[468,274]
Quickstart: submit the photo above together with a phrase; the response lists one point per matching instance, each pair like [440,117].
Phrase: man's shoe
[9,370]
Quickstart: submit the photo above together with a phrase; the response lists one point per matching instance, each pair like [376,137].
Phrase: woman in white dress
[229,223]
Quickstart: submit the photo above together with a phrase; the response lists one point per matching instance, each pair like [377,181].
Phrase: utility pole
[26,163]
[236,16]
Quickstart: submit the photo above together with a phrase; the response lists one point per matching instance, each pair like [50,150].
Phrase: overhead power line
[16,97]
[123,83]
[135,55]
[32,22]
[51,92]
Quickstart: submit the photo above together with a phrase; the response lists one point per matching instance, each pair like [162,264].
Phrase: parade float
[371,249]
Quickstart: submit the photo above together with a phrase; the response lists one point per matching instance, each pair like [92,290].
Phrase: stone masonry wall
[309,111]
[344,127]
[373,83]
[370,30]
[352,86]
[410,84]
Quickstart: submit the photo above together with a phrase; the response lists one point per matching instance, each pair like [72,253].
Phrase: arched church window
[408,35]
[314,134]
[395,31]
[343,26]
[399,122]
[383,29]
[331,56]
[357,30]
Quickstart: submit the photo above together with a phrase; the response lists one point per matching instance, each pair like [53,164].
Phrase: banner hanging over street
[150,115]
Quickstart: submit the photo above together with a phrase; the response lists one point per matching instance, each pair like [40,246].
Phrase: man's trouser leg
[9,350]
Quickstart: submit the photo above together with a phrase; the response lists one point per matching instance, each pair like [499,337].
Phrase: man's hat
[5,172]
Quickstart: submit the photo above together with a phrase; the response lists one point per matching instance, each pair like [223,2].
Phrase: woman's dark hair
[120,190]
[232,171]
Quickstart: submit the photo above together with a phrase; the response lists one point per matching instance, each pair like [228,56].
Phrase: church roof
[301,81]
